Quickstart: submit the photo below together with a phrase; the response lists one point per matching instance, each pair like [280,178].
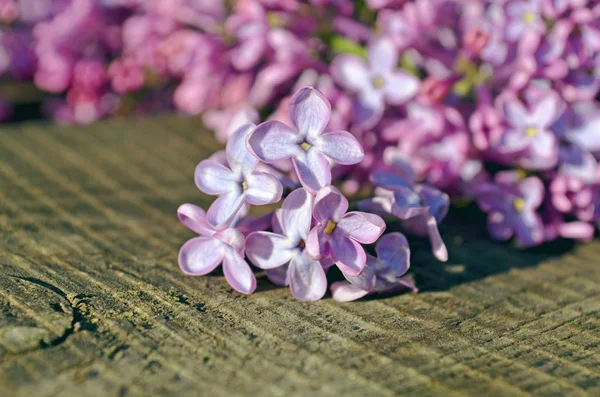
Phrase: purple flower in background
[524,23]
[381,274]
[268,250]
[338,235]
[201,255]
[236,184]
[307,145]
[420,207]
[529,133]
[511,203]
[375,82]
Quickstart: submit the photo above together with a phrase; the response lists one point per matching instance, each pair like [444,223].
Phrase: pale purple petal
[437,201]
[296,215]
[499,226]
[233,238]
[239,158]
[389,180]
[407,203]
[400,87]
[238,273]
[310,112]
[529,229]
[383,55]
[329,204]
[349,255]
[273,141]
[532,189]
[194,218]
[214,178]
[369,108]
[362,226]
[269,250]
[313,170]
[247,54]
[351,72]
[343,291]
[224,209]
[279,275]
[340,146]
[516,114]
[314,246]
[201,255]
[437,244]
[545,111]
[393,249]
[307,278]
[262,189]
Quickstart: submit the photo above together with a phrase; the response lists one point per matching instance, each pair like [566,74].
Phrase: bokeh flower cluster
[494,101]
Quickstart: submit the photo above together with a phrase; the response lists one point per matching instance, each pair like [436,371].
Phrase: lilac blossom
[237,184]
[201,255]
[309,148]
[338,235]
[287,248]
[512,203]
[375,82]
[383,273]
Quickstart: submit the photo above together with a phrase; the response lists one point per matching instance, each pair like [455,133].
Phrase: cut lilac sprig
[383,273]
[306,144]
[201,255]
[338,235]
[237,184]
[268,250]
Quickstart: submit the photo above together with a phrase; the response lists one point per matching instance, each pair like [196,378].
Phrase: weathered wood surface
[92,302]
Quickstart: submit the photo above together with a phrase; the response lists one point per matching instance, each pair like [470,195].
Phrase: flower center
[301,244]
[529,17]
[378,82]
[305,145]
[330,227]
[531,131]
[519,204]
[244,185]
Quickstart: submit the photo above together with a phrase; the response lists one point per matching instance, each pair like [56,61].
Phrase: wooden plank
[92,301]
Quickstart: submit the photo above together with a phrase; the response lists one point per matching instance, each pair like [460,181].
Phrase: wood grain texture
[92,302]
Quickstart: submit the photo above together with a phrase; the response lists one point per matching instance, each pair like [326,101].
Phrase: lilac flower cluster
[495,101]
[313,229]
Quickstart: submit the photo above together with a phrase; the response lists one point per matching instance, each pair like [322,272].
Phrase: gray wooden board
[92,302]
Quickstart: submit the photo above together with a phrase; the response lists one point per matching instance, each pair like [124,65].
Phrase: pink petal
[273,141]
[296,215]
[194,218]
[238,273]
[343,291]
[312,169]
[247,54]
[383,55]
[340,146]
[201,255]
[224,209]
[399,87]
[307,278]
[362,226]
[310,112]
[329,204]
[269,250]
[349,255]
[214,178]
[351,72]
[262,189]
[239,158]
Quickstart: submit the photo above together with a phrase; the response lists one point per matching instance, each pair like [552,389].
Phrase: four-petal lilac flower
[375,82]
[238,184]
[268,250]
[382,273]
[338,235]
[307,145]
[201,255]
[512,203]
